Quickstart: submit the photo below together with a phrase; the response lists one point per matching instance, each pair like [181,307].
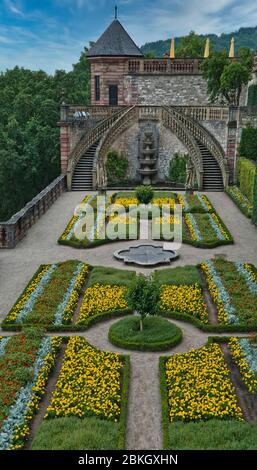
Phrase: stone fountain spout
[148,154]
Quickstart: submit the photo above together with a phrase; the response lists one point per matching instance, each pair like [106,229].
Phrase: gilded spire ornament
[232,49]
[172,49]
[207,49]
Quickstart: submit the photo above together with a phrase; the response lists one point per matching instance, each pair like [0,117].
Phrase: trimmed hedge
[248,143]
[103,316]
[254,216]
[124,403]
[211,328]
[124,338]
[246,176]
[240,200]
[164,403]
[252,95]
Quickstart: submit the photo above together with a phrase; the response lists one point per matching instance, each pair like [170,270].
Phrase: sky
[50,34]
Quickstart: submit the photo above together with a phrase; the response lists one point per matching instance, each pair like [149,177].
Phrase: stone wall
[128,144]
[111,72]
[176,90]
[218,129]
[16,228]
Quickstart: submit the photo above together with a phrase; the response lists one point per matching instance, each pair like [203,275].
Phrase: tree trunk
[141,323]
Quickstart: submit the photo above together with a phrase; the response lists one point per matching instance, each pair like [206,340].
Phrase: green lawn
[158,334]
[77,434]
[181,275]
[213,434]
[111,276]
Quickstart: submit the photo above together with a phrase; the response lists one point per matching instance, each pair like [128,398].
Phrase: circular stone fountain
[146,255]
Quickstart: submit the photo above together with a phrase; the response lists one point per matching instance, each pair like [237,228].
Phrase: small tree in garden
[144,194]
[143,296]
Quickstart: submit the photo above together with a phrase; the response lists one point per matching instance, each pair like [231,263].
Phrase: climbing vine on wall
[117,167]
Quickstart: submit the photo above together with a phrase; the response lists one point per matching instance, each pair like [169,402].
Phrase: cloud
[53,37]
[14,8]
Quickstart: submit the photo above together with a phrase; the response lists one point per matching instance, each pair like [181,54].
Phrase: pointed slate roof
[115,42]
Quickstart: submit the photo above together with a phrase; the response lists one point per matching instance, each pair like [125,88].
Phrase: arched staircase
[83,175]
[212,176]
[205,151]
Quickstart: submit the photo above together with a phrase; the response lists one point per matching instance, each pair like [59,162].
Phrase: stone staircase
[83,175]
[212,177]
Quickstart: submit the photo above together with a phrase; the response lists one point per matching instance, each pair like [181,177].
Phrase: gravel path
[40,246]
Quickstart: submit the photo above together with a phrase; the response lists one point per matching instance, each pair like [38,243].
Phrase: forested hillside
[29,136]
[244,37]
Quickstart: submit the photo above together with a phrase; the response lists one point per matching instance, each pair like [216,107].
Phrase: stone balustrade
[164,66]
[93,111]
[16,228]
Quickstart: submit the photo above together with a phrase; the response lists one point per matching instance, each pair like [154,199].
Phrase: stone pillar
[11,236]
[64,137]
[232,142]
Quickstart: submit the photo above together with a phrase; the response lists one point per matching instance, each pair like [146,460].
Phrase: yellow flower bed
[170,220]
[199,387]
[251,271]
[11,317]
[101,299]
[122,219]
[208,203]
[126,202]
[89,383]
[190,227]
[214,291]
[161,201]
[221,227]
[248,375]
[181,201]
[73,221]
[70,308]
[184,299]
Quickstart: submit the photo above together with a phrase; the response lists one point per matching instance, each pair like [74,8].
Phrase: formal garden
[101,351]
[201,225]
[68,394]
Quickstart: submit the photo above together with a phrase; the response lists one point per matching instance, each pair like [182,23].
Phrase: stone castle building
[129,93]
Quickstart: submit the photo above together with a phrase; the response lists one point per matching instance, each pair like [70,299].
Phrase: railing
[164,66]
[154,113]
[16,228]
[119,126]
[89,139]
[93,111]
[201,134]
[172,122]
[205,113]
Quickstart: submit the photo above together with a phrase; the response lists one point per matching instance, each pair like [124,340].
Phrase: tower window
[97,88]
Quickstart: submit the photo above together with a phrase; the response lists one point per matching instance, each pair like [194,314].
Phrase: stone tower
[109,61]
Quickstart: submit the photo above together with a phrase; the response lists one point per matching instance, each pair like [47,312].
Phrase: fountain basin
[146,255]
[148,171]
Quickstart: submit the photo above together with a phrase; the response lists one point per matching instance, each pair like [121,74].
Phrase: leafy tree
[232,79]
[29,112]
[150,55]
[225,78]
[143,296]
[212,70]
[191,46]
[244,37]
